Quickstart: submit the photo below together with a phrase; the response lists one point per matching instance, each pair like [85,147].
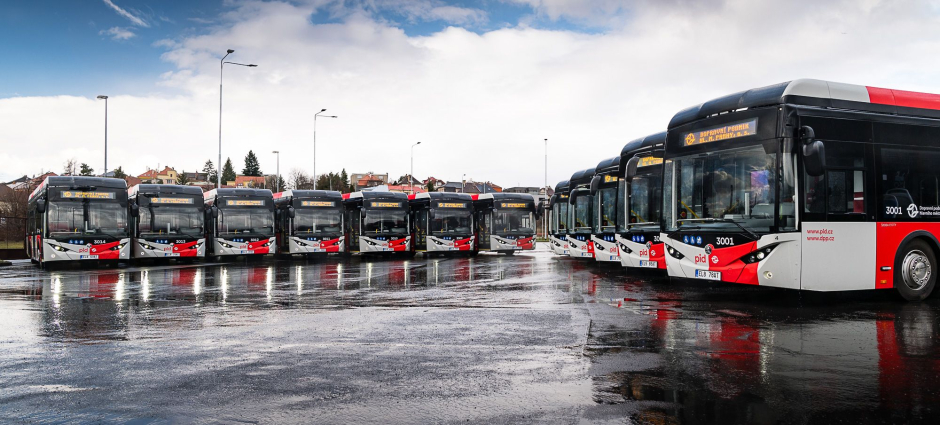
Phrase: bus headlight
[758,255]
[60,248]
[625,249]
[119,246]
[370,243]
[225,245]
[674,253]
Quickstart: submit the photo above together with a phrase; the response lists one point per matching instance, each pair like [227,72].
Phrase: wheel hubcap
[916,270]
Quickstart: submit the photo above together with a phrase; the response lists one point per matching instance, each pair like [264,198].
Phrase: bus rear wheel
[915,271]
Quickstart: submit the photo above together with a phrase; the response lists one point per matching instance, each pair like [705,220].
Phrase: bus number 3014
[724,241]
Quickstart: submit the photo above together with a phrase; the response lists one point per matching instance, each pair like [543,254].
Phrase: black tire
[915,270]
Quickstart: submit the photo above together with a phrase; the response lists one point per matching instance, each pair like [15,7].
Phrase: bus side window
[908,182]
[838,195]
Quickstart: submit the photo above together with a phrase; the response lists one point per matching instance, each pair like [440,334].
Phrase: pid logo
[701,258]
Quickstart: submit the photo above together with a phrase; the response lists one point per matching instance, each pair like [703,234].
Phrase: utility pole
[105,134]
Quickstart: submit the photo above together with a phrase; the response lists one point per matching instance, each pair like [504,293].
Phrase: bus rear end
[310,222]
[242,222]
[639,237]
[168,221]
[79,219]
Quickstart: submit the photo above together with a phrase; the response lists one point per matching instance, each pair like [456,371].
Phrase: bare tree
[69,168]
[299,180]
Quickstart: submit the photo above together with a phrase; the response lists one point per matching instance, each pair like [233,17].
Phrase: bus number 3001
[893,210]
[724,241]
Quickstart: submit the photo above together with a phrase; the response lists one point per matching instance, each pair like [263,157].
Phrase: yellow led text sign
[725,132]
[70,194]
[513,205]
[171,200]
[650,160]
[245,203]
[317,204]
[451,204]
[609,178]
[385,204]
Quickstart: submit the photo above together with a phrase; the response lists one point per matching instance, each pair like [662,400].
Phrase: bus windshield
[449,222]
[84,218]
[317,221]
[726,190]
[385,221]
[513,222]
[581,214]
[170,220]
[246,220]
[560,213]
[607,217]
[645,199]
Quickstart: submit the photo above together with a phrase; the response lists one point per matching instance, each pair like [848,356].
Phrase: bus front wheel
[915,271]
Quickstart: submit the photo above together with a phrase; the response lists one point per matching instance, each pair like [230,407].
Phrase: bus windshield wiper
[645,223]
[722,220]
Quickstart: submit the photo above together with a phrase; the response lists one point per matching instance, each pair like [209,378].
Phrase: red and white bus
[309,222]
[809,185]
[241,222]
[558,218]
[443,222]
[72,218]
[638,235]
[378,222]
[606,188]
[581,204]
[167,221]
[505,222]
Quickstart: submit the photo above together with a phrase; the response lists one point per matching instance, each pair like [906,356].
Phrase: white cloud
[134,19]
[479,103]
[118,33]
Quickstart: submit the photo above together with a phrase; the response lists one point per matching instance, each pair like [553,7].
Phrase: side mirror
[135,210]
[291,212]
[214,211]
[595,184]
[630,170]
[41,205]
[814,152]
[431,214]
[552,200]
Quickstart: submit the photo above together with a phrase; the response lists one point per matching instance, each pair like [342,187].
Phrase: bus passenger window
[909,183]
[846,192]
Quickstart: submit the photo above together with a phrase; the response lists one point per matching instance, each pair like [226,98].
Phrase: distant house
[360,181]
[133,181]
[196,176]
[256,182]
[166,176]
[404,188]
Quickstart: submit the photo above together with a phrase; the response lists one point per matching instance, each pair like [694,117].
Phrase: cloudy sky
[479,83]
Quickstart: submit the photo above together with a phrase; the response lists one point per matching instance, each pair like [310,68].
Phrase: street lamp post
[277,178]
[545,219]
[411,176]
[105,134]
[221,67]
[315,144]
[463,182]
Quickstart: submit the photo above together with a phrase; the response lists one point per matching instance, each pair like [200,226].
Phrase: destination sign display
[177,201]
[452,205]
[244,202]
[725,132]
[74,194]
[610,179]
[385,204]
[650,160]
[513,205]
[317,203]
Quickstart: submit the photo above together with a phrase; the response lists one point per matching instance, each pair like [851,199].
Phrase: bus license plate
[567,252]
[171,254]
[708,275]
[517,247]
[317,249]
[87,257]
[388,249]
[650,264]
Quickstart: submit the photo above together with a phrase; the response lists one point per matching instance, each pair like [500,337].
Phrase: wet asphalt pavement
[532,338]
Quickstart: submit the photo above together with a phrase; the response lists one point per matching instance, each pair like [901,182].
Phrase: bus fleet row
[99,219]
[807,184]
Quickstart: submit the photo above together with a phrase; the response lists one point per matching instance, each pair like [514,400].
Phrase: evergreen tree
[119,173]
[252,167]
[228,171]
[85,170]
[181,178]
[210,171]
[344,181]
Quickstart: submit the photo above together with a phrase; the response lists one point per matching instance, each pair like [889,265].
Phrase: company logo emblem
[689,139]
[715,260]
[708,249]
[912,210]
[649,244]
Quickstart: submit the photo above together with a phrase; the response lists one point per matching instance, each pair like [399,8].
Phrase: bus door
[354,228]
[421,229]
[485,228]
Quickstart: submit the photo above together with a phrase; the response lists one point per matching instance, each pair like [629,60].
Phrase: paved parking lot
[526,339]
